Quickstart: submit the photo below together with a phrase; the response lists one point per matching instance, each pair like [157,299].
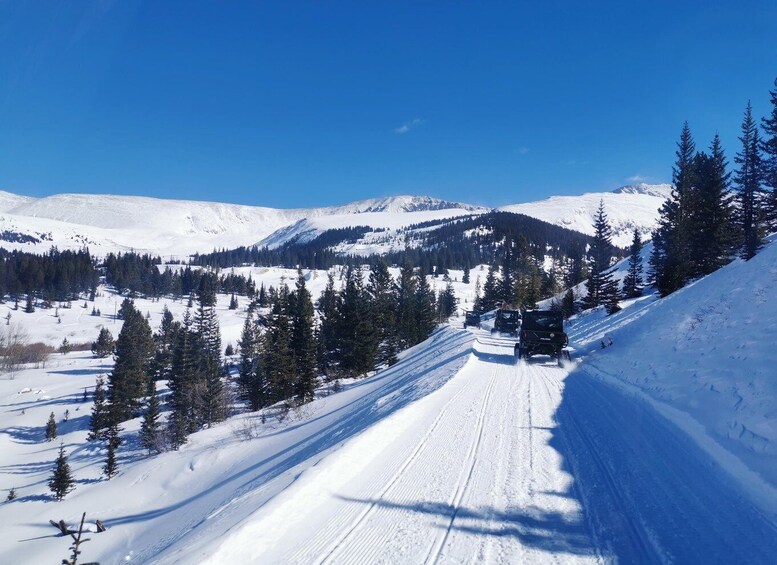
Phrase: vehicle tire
[567,356]
[560,360]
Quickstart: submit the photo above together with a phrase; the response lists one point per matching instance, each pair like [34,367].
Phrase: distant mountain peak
[659,190]
[411,203]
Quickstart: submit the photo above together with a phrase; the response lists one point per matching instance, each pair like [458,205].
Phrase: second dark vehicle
[542,333]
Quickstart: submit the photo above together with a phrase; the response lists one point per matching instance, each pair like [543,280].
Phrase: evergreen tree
[233,303]
[490,290]
[249,357]
[668,261]
[303,343]
[61,481]
[51,428]
[129,380]
[356,333]
[407,313]
[769,148]
[465,275]
[446,305]
[112,442]
[184,386]
[30,307]
[599,284]
[382,294]
[425,308]
[748,181]
[506,283]
[327,347]
[150,428]
[568,303]
[632,282]
[104,345]
[212,407]
[278,357]
[709,219]
[99,420]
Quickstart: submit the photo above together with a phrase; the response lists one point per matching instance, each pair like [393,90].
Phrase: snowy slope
[178,228]
[455,454]
[628,207]
[706,352]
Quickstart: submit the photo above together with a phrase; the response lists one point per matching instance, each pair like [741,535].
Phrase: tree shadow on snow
[548,531]
[344,422]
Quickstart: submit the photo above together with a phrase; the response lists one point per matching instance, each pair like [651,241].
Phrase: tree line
[705,224]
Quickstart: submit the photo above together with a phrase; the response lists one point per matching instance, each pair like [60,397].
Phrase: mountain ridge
[173,227]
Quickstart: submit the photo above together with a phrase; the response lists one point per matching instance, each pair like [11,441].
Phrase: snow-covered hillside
[628,207]
[455,454]
[179,228]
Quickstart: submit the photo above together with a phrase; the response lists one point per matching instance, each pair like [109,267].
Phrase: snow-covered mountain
[108,223]
[628,207]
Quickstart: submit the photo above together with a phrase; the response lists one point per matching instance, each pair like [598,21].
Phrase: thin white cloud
[523,150]
[637,178]
[407,126]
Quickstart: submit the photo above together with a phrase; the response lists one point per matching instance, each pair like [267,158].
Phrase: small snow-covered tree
[61,481]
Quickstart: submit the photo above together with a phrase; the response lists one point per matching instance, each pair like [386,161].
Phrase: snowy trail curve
[511,463]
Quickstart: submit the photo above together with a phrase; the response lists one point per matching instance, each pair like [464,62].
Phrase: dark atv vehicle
[542,333]
[472,318]
[507,321]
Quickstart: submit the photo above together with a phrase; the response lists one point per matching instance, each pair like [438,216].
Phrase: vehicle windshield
[543,321]
[509,315]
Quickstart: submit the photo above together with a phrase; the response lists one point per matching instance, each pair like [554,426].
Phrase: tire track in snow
[394,479]
[472,457]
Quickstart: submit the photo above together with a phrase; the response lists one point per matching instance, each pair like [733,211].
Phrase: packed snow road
[511,463]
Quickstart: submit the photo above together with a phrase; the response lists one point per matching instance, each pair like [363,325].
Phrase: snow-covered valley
[657,448]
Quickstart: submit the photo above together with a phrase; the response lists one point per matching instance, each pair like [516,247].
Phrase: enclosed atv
[472,318]
[507,321]
[542,333]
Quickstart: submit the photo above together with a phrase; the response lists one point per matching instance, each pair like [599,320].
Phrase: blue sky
[313,103]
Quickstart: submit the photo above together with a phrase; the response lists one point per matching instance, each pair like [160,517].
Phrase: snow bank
[706,353]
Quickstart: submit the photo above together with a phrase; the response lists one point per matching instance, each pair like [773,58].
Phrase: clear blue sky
[314,103]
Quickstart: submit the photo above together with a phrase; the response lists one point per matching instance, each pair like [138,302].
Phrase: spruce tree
[164,341]
[104,345]
[382,294]
[61,481]
[568,303]
[248,347]
[183,384]
[506,282]
[407,314]
[356,332]
[710,234]
[668,261]
[150,428]
[128,382]
[632,282]
[465,274]
[446,305]
[748,182]
[769,148]
[327,347]
[212,406]
[490,289]
[425,307]
[51,428]
[30,307]
[599,284]
[303,342]
[112,442]
[99,419]
[278,358]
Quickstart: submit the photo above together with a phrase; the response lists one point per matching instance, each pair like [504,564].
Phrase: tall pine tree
[599,285]
[747,179]
[61,481]
[632,282]
[769,147]
[303,343]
